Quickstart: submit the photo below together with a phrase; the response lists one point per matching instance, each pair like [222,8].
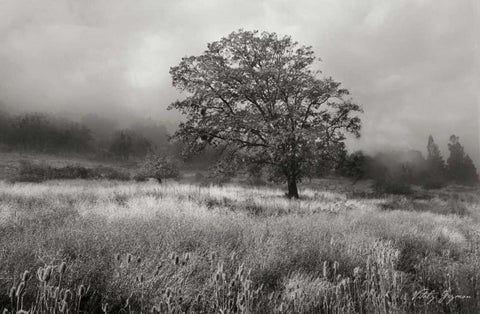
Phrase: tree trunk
[292,188]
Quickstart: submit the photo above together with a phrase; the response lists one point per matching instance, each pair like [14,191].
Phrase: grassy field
[124,247]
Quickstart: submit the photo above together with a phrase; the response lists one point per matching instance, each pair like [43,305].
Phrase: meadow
[99,246]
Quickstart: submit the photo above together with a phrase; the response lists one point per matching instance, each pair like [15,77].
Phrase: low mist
[412,74]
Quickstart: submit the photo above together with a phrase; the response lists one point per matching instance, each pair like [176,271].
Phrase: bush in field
[433,183]
[393,185]
[221,173]
[158,167]
[30,172]
[102,172]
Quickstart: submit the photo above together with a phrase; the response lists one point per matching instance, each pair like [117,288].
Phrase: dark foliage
[126,144]
[257,95]
[29,172]
[461,169]
[159,167]
[393,185]
[355,165]
[393,172]
[38,132]
[435,174]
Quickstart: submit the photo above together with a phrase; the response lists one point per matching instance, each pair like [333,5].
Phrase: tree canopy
[461,169]
[258,96]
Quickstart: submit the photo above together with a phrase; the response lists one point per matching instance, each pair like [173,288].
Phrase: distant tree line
[37,132]
[400,169]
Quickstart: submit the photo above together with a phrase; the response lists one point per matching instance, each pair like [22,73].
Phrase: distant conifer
[434,158]
[460,167]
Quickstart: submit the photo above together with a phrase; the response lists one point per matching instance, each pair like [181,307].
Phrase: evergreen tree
[435,173]
[434,158]
[461,169]
[471,175]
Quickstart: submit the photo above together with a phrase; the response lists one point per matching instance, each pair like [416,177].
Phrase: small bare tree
[159,167]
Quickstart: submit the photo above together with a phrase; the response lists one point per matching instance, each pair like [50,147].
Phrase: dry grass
[177,247]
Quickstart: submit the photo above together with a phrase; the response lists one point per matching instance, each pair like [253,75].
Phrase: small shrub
[455,207]
[434,184]
[393,186]
[256,181]
[397,203]
[29,172]
[199,177]
[102,172]
[140,177]
[158,167]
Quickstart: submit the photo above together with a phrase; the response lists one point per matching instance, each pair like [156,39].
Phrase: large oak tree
[257,95]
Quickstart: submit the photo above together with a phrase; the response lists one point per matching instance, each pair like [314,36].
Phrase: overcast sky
[411,64]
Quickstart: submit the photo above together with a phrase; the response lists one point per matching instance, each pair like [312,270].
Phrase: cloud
[411,64]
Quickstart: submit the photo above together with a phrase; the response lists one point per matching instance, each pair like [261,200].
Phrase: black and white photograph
[239,156]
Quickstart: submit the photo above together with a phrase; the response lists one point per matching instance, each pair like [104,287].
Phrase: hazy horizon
[412,65]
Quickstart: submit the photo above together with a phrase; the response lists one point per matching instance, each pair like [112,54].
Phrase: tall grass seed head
[357,271]
[81,290]
[63,306]
[67,295]
[335,266]
[12,293]
[20,289]
[105,307]
[40,271]
[26,275]
[325,269]
[56,292]
[47,273]
[61,268]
